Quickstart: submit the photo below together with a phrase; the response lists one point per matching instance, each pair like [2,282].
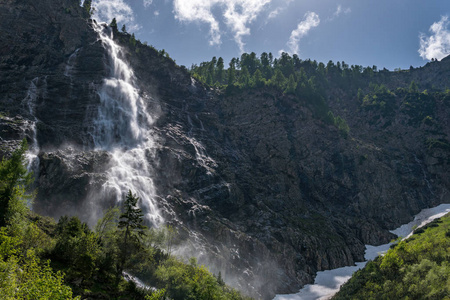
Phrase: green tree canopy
[14,180]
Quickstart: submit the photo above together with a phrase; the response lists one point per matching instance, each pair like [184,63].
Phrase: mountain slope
[259,186]
[416,268]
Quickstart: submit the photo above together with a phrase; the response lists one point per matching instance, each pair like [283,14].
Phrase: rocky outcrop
[259,188]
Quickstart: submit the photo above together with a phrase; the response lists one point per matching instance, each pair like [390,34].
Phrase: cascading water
[123,127]
[200,152]
[29,104]
[70,64]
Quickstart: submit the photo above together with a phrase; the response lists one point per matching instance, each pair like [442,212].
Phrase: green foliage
[380,100]
[107,225]
[339,122]
[88,9]
[133,40]
[417,268]
[77,246]
[35,238]
[9,245]
[14,180]
[413,88]
[291,85]
[342,125]
[419,106]
[22,273]
[267,66]
[93,261]
[244,78]
[27,278]
[258,79]
[132,218]
[278,79]
[191,281]
[132,229]
[156,295]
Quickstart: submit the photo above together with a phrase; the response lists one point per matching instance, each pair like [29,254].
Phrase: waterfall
[201,156]
[71,63]
[123,127]
[29,104]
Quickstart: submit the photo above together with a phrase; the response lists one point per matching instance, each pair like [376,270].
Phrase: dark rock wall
[259,188]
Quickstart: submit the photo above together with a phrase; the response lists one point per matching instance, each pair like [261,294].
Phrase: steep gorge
[258,187]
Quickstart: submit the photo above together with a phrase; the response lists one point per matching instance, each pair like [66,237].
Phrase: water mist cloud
[237,15]
[310,21]
[437,45]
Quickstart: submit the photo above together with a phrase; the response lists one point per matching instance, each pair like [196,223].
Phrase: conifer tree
[220,71]
[231,73]
[291,85]
[113,24]
[258,79]
[131,225]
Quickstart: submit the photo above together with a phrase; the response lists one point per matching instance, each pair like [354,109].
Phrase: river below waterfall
[327,283]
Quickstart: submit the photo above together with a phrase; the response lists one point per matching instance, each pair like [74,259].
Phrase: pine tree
[231,73]
[278,79]
[244,77]
[220,71]
[130,224]
[291,85]
[258,79]
[113,24]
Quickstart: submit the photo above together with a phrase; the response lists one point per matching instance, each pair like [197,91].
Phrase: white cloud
[237,14]
[274,13]
[147,3]
[310,21]
[156,13]
[106,10]
[340,10]
[437,45]
[198,11]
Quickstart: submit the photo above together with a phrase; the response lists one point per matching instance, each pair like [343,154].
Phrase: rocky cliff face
[258,188]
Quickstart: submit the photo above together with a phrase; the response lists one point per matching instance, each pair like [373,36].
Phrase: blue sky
[386,33]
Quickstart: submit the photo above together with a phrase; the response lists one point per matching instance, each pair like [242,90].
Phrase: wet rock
[259,188]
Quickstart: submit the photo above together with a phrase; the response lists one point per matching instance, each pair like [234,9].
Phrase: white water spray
[123,127]
[29,103]
[201,156]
